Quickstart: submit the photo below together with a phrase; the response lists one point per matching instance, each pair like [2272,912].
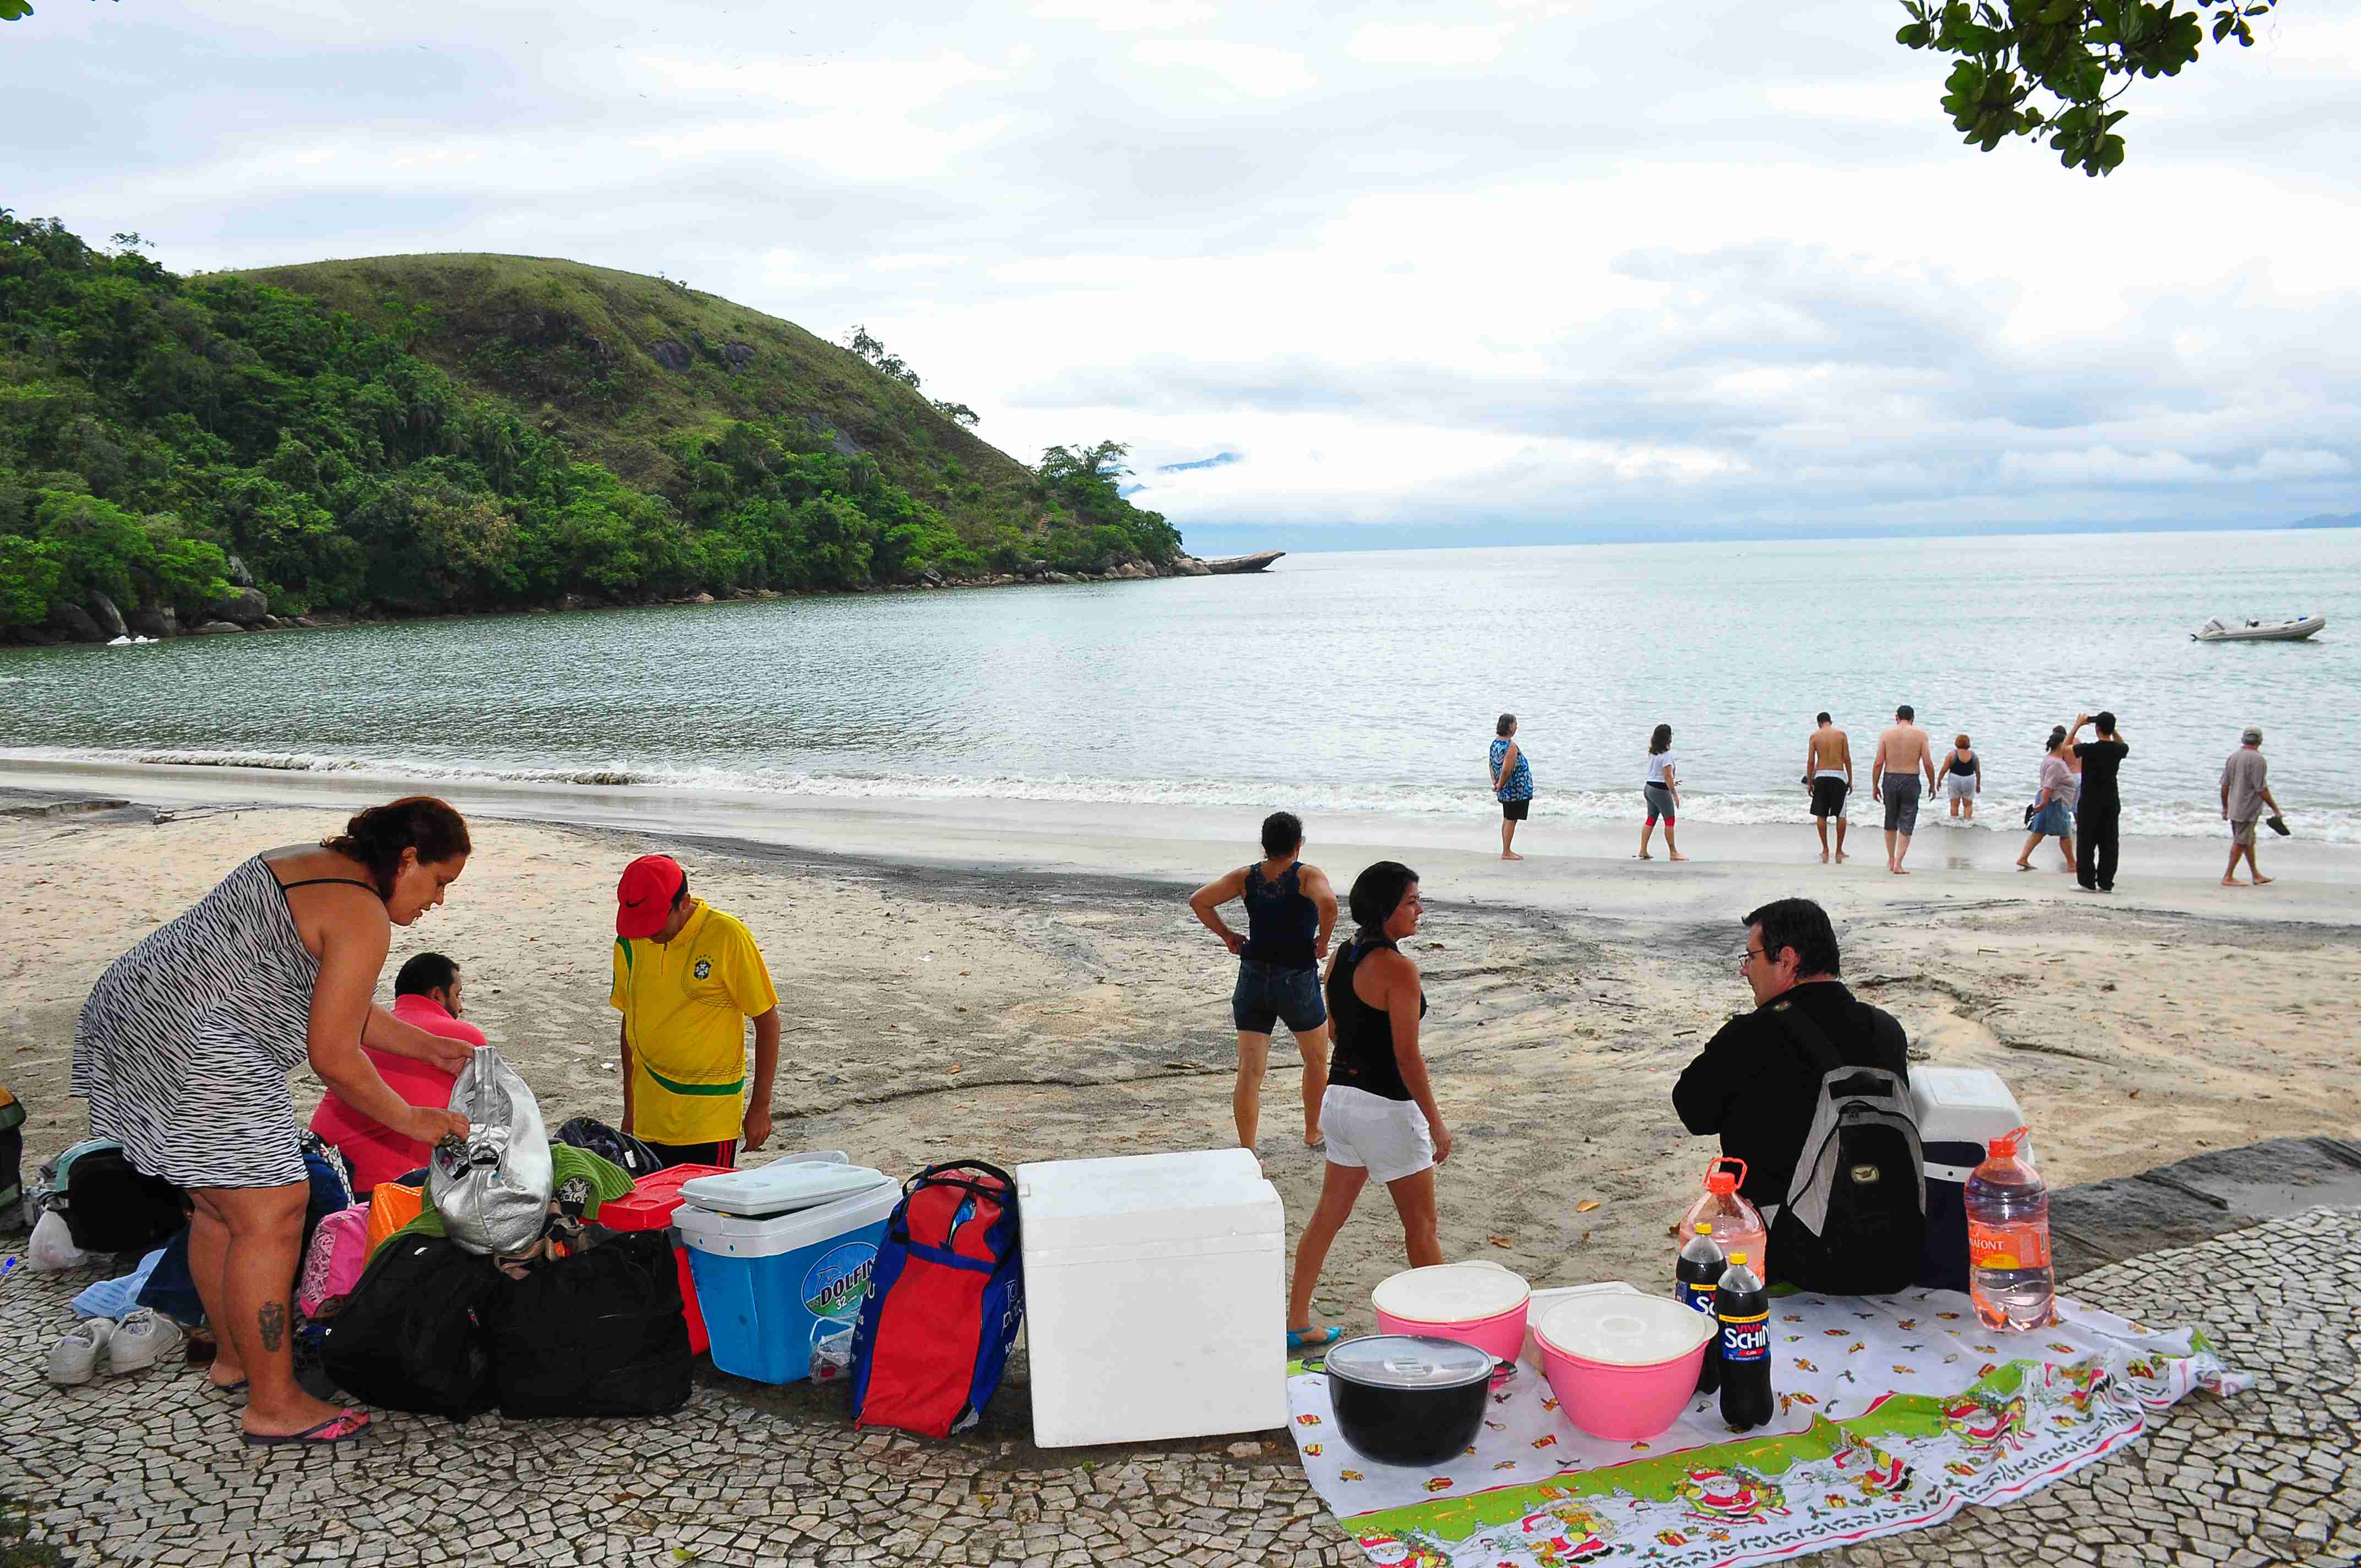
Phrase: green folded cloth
[607,1181]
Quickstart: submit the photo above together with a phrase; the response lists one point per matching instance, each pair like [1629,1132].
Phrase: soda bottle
[1694,1278]
[1743,1308]
[2009,1275]
[1737,1225]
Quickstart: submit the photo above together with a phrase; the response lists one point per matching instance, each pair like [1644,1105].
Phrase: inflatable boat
[2294,631]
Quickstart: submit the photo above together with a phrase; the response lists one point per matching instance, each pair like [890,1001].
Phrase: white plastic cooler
[1960,1110]
[1155,1297]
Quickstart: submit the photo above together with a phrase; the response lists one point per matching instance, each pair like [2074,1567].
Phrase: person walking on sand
[1290,916]
[183,1049]
[1512,783]
[1662,792]
[2100,805]
[1380,1111]
[2243,795]
[1963,780]
[687,980]
[1902,756]
[1828,774]
[2053,806]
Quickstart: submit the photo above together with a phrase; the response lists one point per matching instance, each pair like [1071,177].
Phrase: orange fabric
[391,1206]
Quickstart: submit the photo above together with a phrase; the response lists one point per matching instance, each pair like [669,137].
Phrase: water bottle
[1737,1225]
[2009,1275]
[1743,1308]
[1694,1278]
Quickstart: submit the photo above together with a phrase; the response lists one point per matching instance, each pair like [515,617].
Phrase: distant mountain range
[2330,519]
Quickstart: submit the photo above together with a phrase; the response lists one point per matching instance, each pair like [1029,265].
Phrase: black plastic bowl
[1408,1399]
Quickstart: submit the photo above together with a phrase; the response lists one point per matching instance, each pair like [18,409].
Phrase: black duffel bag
[415,1333]
[110,1207]
[599,1333]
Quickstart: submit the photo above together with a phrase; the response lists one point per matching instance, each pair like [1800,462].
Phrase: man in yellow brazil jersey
[687,978]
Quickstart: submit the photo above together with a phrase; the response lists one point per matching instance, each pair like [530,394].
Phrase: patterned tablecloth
[1895,1412]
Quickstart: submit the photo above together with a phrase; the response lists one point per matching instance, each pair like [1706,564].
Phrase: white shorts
[1387,1137]
[1959,786]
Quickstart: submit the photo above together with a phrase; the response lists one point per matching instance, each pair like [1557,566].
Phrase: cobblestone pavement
[147,1469]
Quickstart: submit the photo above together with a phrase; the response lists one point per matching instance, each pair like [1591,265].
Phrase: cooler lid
[1142,1202]
[1624,1331]
[1450,1293]
[1410,1361]
[781,1187]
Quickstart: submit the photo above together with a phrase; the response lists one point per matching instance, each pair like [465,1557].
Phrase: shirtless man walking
[1902,755]
[1828,774]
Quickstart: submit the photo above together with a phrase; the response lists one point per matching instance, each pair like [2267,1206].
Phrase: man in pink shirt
[425,993]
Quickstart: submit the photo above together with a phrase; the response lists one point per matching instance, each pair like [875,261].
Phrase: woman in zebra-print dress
[184,1047]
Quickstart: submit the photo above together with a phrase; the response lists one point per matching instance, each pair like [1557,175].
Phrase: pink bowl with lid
[1480,1304]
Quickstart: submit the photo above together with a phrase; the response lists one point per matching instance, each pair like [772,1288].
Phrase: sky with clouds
[1524,271]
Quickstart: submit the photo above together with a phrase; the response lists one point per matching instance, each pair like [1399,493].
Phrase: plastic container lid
[1410,1361]
[1624,1331]
[782,1187]
[1450,1293]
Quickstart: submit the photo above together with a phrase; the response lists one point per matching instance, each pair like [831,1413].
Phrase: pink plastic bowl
[1500,1336]
[1622,1404]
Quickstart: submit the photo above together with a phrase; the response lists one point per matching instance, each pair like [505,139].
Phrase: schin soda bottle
[1694,1278]
[1743,1308]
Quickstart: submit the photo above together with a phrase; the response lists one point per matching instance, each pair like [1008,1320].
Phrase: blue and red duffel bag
[945,1300]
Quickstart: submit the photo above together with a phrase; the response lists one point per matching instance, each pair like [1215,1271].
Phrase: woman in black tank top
[1378,1113]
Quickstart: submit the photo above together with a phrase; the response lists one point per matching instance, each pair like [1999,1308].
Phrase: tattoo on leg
[272,1321]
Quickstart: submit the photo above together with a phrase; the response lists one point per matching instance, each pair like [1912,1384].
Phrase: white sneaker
[140,1341]
[74,1359]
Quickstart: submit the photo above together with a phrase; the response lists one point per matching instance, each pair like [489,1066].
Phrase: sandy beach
[1015,983]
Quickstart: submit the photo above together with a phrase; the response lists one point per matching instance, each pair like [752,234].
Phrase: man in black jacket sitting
[1753,1083]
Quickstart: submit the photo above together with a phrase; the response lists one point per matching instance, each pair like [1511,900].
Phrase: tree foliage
[2057,67]
[152,426]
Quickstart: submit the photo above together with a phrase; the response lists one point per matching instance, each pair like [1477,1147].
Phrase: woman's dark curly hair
[376,836]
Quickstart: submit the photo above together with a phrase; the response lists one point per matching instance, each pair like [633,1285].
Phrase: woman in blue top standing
[1291,916]
[1512,783]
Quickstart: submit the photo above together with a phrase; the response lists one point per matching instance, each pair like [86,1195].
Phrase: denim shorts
[1267,993]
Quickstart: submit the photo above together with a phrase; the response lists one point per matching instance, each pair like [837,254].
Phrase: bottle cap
[1703,1229]
[1737,1258]
[1719,1179]
[2003,1146]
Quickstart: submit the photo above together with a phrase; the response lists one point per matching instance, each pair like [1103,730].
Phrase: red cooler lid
[650,1203]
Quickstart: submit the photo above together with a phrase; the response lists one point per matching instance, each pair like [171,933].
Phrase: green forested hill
[434,432]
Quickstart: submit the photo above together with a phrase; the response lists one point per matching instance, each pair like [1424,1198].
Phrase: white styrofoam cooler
[1960,1110]
[1958,1107]
[1155,1297]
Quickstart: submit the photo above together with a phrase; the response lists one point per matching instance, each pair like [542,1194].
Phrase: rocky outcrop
[146,622]
[73,624]
[238,575]
[1189,566]
[244,607]
[212,627]
[671,355]
[109,619]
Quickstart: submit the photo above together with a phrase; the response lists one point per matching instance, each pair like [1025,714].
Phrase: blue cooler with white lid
[782,1256]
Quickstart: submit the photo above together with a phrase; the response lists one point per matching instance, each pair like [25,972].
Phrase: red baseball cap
[643,898]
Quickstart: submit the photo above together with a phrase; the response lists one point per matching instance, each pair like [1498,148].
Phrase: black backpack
[110,1207]
[415,1333]
[617,1148]
[1854,1222]
[599,1334]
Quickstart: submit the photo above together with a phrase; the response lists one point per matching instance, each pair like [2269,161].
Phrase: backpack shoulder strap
[1809,1037]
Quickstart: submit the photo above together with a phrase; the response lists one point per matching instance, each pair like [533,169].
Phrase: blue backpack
[946,1299]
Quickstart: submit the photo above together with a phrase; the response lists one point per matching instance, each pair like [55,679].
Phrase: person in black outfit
[1380,1111]
[2095,813]
[1753,1083]
[1290,914]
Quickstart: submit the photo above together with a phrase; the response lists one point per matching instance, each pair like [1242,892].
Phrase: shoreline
[46,634]
[1573,866]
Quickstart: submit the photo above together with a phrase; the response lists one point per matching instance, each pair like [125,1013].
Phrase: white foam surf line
[2335,826]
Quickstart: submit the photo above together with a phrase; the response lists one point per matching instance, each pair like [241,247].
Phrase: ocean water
[1365,681]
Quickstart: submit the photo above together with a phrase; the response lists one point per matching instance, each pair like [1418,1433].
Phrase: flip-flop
[1313,1339]
[236,1387]
[342,1427]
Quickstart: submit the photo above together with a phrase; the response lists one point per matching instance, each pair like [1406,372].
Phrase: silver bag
[493,1190]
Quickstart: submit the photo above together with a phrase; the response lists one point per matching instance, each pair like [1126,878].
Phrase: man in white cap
[687,978]
[2243,795]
